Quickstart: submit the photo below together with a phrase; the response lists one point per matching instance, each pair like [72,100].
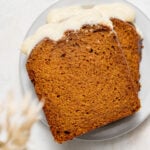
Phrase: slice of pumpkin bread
[84,80]
[131,44]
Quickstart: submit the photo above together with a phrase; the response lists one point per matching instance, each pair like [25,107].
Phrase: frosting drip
[73,18]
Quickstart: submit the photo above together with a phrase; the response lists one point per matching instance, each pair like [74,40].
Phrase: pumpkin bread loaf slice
[131,44]
[84,80]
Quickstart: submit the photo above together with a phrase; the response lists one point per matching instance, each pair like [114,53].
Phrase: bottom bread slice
[131,44]
[84,80]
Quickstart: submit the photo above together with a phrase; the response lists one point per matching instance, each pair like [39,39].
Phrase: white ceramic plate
[125,125]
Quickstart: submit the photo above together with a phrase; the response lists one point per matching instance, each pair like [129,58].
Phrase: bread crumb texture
[84,80]
[131,44]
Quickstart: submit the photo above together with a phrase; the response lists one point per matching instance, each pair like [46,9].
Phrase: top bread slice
[84,80]
[131,44]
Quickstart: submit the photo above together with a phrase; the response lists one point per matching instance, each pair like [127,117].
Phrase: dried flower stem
[16,121]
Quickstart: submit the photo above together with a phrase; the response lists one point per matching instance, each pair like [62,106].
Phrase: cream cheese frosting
[73,18]
[114,10]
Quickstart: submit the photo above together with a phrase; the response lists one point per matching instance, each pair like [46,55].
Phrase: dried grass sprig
[16,121]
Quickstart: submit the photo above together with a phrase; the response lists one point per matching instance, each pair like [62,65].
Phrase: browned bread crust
[131,44]
[84,80]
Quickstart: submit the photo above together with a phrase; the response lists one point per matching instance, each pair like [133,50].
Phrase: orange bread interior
[84,80]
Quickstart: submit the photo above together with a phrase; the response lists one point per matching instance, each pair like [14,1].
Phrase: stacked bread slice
[88,78]
[131,44]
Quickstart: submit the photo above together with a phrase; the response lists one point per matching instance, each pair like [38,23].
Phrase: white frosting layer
[116,10]
[73,18]
[139,31]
